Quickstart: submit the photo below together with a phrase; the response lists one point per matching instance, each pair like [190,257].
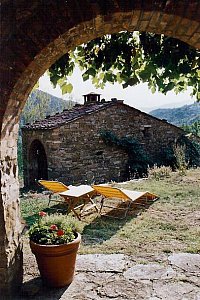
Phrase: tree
[35,110]
[193,128]
[130,58]
[40,104]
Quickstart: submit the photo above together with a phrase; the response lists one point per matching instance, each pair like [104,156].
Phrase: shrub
[180,155]
[158,173]
[192,150]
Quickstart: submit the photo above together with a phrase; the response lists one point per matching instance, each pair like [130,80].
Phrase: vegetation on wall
[168,155]
[181,154]
[192,150]
[130,58]
[137,159]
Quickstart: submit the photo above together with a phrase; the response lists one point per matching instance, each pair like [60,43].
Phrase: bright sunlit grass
[171,224]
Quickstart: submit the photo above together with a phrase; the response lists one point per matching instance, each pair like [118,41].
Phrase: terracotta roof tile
[67,116]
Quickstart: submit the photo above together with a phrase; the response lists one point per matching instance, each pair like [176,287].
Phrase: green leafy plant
[129,58]
[192,150]
[138,162]
[194,128]
[137,159]
[165,156]
[170,156]
[54,229]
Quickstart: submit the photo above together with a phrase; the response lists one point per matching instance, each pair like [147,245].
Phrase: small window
[146,131]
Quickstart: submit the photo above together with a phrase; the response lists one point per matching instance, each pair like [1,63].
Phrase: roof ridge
[67,116]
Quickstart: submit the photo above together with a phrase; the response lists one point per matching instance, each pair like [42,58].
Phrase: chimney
[116,100]
[91,98]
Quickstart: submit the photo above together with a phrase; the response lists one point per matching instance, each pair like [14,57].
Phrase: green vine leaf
[66,88]
[131,57]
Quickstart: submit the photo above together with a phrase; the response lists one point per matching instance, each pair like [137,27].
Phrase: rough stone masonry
[68,146]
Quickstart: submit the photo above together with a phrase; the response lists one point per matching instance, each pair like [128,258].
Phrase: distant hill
[41,104]
[185,115]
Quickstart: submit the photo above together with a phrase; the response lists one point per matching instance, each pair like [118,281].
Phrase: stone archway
[37,164]
[35,34]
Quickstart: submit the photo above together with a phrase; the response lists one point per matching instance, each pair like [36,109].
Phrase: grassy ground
[171,224]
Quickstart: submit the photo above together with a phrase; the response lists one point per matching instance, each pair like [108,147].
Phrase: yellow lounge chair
[54,187]
[126,196]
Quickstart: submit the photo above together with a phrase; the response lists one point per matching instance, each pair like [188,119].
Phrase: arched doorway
[30,44]
[37,163]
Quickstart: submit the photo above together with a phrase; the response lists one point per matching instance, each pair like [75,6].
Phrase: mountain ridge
[184,115]
[41,104]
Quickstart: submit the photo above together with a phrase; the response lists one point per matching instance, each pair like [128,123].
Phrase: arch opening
[37,163]
[31,44]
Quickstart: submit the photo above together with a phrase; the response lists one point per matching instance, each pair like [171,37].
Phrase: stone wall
[76,153]
[11,271]
[36,33]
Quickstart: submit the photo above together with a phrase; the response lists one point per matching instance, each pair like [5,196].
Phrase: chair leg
[101,204]
[94,204]
[87,205]
[127,209]
[50,195]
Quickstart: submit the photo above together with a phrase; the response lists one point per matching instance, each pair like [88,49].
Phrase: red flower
[53,227]
[60,232]
[42,214]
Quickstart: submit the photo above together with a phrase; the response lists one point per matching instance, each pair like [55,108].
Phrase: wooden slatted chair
[54,187]
[126,196]
[79,199]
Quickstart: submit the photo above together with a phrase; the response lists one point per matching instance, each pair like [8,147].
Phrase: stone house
[68,146]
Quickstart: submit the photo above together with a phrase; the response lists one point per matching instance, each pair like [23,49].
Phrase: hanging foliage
[130,58]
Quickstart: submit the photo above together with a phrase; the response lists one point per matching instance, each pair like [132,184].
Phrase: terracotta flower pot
[56,263]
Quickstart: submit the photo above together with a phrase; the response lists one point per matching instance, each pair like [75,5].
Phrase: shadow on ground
[34,289]
[103,227]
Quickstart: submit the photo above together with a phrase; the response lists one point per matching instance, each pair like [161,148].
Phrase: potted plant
[54,240]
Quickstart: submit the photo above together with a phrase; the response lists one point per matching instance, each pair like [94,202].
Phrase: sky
[138,96]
